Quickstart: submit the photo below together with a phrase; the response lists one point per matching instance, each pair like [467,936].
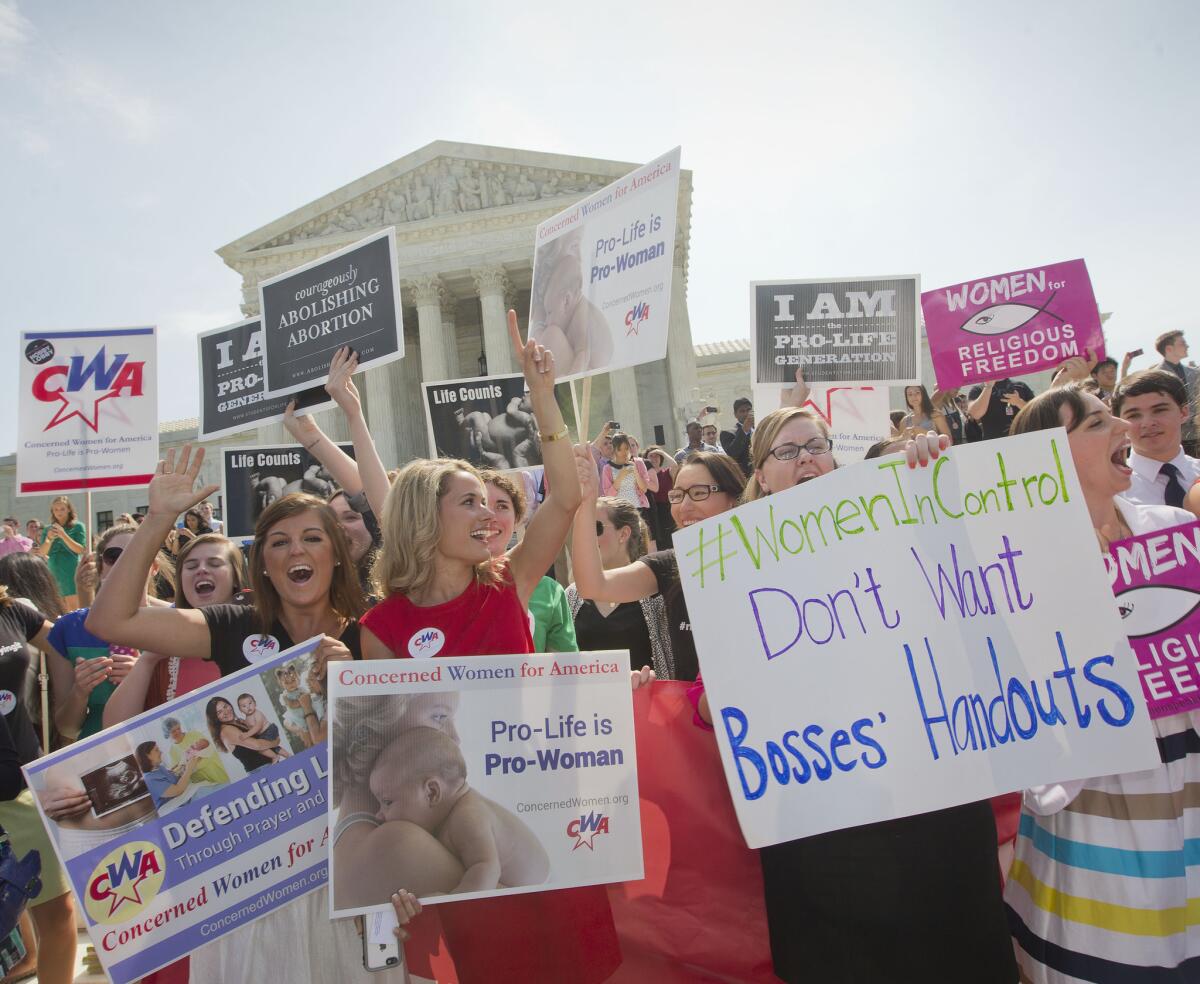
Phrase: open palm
[173,488]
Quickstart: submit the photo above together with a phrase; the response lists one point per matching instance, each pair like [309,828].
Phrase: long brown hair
[215,724]
[624,515]
[764,436]
[70,509]
[726,475]
[345,593]
[1041,413]
[233,556]
[926,403]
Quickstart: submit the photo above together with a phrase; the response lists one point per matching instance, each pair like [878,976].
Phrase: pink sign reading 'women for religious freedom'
[1156,578]
[1011,324]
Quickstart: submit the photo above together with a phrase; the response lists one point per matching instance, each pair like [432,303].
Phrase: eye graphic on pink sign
[1011,324]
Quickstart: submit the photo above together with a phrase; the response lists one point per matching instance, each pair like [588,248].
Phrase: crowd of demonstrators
[696,442]
[660,522]
[736,442]
[639,626]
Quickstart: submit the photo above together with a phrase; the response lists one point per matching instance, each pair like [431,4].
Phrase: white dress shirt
[1149,486]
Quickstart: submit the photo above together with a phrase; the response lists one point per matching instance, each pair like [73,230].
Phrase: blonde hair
[362,728]
[71,517]
[625,516]
[412,528]
[765,433]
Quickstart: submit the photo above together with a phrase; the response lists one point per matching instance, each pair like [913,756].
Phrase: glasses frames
[697,493]
[111,555]
[787,452]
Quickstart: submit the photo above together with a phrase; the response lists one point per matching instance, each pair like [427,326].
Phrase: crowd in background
[162,603]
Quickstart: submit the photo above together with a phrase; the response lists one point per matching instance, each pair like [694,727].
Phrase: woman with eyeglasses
[639,626]
[860,904]
[708,483]
[90,667]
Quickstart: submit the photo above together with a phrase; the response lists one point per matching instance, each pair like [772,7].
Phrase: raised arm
[978,407]
[371,471]
[633,582]
[547,531]
[117,615]
[307,432]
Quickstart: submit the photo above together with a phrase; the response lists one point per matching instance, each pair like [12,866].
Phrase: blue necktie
[1175,490]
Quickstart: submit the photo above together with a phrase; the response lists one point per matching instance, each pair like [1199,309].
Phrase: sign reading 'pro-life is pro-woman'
[919,621]
[601,295]
[350,297]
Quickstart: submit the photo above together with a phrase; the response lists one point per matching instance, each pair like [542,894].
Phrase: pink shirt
[15,544]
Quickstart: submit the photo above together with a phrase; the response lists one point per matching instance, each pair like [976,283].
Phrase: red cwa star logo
[585,828]
[80,387]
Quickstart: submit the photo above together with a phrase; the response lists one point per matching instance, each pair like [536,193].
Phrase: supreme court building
[465,217]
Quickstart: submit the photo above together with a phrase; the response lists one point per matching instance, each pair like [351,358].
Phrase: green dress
[63,560]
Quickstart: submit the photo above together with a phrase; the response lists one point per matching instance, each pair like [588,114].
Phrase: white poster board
[87,410]
[527,776]
[883,641]
[602,269]
[857,416]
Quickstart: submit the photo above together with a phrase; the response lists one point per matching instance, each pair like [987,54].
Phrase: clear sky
[952,140]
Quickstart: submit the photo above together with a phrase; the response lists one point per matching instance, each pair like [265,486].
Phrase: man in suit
[1173,347]
[737,441]
[1155,405]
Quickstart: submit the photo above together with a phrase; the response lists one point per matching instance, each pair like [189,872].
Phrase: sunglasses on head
[111,555]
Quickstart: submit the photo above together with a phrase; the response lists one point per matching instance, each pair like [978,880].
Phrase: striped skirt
[1108,888]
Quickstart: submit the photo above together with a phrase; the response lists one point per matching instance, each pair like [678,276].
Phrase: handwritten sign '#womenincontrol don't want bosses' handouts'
[933,646]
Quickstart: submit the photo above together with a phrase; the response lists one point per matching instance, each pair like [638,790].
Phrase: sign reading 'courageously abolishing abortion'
[349,297]
[602,272]
[932,650]
[233,387]
[1156,578]
[520,770]
[837,331]
[1011,324]
[87,410]
[194,818]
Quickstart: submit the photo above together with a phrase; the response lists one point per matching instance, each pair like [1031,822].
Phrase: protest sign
[87,410]
[488,422]
[601,295]
[348,297]
[837,331]
[190,832]
[233,389]
[1011,324]
[1156,578]
[857,416]
[253,478]
[527,777]
[919,620]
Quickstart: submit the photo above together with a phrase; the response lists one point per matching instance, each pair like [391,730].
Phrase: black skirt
[916,899]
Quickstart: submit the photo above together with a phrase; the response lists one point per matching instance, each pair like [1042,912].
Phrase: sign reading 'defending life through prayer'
[188,834]
[1011,324]
[920,622]
[527,778]
[254,477]
[602,270]
[837,331]
[349,297]
[233,389]
[87,410]
[1156,578]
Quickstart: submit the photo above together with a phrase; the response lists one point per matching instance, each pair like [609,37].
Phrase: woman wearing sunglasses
[708,483]
[88,670]
[859,904]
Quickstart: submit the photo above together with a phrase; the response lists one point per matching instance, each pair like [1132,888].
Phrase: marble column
[681,353]
[450,336]
[491,283]
[427,292]
[380,386]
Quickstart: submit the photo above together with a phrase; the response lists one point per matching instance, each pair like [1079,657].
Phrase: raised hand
[585,466]
[796,396]
[304,430]
[173,488]
[341,381]
[924,448]
[536,362]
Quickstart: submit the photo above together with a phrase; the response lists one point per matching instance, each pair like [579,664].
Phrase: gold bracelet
[558,435]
